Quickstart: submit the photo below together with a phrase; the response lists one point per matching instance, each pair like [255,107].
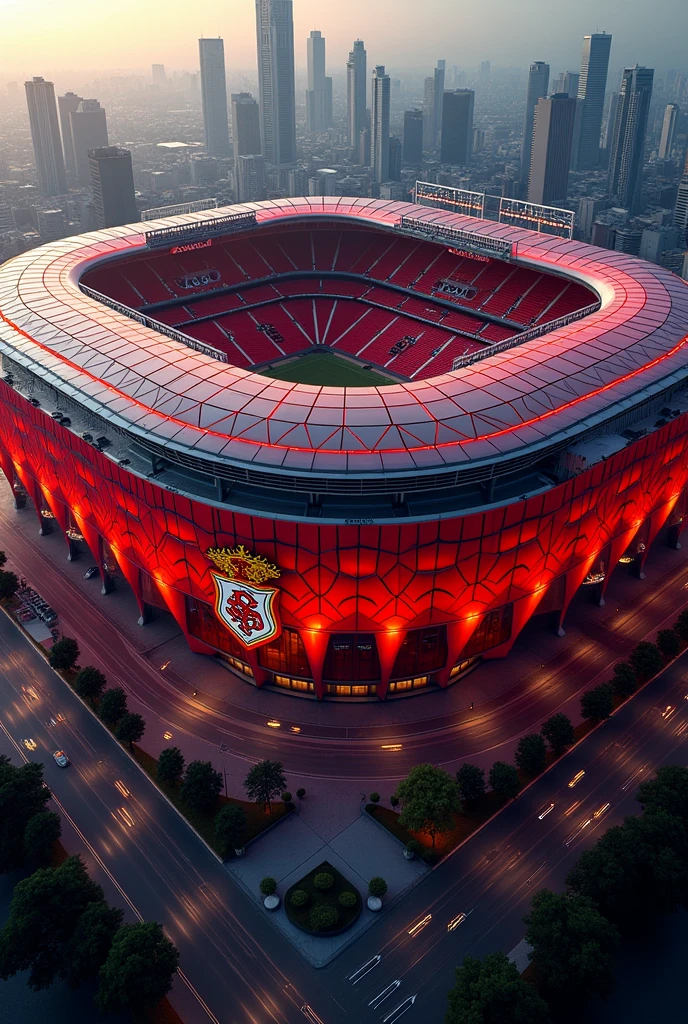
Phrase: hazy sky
[40,36]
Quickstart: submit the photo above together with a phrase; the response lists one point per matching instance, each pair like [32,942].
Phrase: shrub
[375,798]
[230,827]
[413,846]
[668,643]
[323,917]
[623,682]
[286,796]
[597,704]
[377,887]
[347,899]
[323,881]
[646,660]
[90,683]
[268,886]
[301,792]
[393,801]
[64,654]
[9,584]
[681,625]
[298,898]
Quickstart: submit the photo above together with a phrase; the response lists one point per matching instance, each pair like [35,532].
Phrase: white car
[61,758]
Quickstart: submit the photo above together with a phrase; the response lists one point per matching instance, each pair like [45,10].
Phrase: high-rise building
[214,96]
[380,124]
[681,209]
[429,136]
[457,127]
[245,125]
[591,89]
[250,179]
[89,131]
[356,90]
[67,104]
[112,184]
[316,96]
[538,83]
[159,74]
[485,72]
[627,152]
[566,82]
[364,147]
[329,110]
[438,98]
[394,160]
[413,137]
[666,141]
[551,155]
[609,126]
[275,34]
[51,225]
[45,136]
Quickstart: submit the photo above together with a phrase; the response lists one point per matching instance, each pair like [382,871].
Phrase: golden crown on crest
[240,564]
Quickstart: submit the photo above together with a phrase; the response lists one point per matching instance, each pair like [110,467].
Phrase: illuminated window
[423,650]
[202,623]
[493,630]
[399,685]
[285,655]
[338,690]
[351,656]
[287,683]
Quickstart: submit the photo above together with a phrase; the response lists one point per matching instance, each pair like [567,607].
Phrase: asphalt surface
[235,966]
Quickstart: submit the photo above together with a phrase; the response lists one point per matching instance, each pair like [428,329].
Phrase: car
[90,573]
[61,758]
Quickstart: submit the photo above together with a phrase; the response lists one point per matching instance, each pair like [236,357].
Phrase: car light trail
[581,828]
[455,922]
[601,810]
[576,779]
[420,925]
[274,724]
[122,788]
[543,814]
[364,969]
[386,992]
[391,746]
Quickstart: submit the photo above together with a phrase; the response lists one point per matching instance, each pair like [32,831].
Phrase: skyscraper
[429,134]
[628,139]
[112,184]
[566,82]
[245,125]
[457,127]
[538,82]
[45,135]
[250,178]
[551,154]
[89,131]
[666,142]
[214,96]
[356,86]
[159,74]
[591,89]
[67,104]
[413,137]
[275,34]
[438,98]
[316,105]
[681,210]
[394,159]
[380,124]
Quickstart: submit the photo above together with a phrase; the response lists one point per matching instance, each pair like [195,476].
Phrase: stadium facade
[526,433]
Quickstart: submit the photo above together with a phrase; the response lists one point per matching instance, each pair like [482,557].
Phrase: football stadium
[353,446]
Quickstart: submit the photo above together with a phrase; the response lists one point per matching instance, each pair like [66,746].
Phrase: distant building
[298,182]
[681,209]
[245,125]
[551,152]
[214,96]
[429,133]
[112,184]
[457,127]
[380,124]
[316,95]
[67,105]
[413,137]
[395,159]
[250,179]
[591,90]
[159,74]
[656,241]
[356,90]
[45,136]
[567,82]
[275,35]
[89,131]
[538,83]
[364,147]
[51,225]
[666,141]
[627,152]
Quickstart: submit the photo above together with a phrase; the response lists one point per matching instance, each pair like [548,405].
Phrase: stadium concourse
[512,428]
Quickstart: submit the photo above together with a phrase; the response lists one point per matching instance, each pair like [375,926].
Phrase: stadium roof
[539,392]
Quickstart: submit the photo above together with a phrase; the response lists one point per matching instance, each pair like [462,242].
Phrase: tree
[573,946]
[681,625]
[44,912]
[89,945]
[22,795]
[139,969]
[40,835]
[623,682]
[3,559]
[90,683]
[531,754]
[230,827]
[64,654]
[668,791]
[597,704]
[113,705]
[429,801]
[669,643]
[9,584]
[636,870]
[264,782]
[377,887]
[170,766]
[130,728]
[201,786]
[646,660]
[471,782]
[491,991]
[558,731]
[504,780]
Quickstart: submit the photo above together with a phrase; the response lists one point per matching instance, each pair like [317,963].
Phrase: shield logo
[247,607]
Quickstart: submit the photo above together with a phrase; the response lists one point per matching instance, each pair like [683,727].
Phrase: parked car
[61,758]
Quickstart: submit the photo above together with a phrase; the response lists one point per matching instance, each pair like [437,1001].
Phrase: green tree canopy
[558,731]
[667,791]
[573,946]
[531,754]
[113,705]
[130,728]
[87,948]
[597,704]
[669,643]
[491,991]
[646,660]
[623,682]
[230,827]
[471,782]
[681,625]
[22,796]
[90,683]
[3,559]
[40,835]
[64,654]
[264,782]
[429,801]
[201,786]
[138,970]
[170,766]
[9,584]
[504,780]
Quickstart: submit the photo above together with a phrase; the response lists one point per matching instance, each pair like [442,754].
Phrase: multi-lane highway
[235,966]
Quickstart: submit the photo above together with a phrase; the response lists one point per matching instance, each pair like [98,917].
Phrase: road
[235,965]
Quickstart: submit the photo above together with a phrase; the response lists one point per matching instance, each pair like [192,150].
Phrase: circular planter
[240,852]
[374,903]
[409,854]
[271,902]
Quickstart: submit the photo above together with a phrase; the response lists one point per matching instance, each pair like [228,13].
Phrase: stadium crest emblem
[243,603]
